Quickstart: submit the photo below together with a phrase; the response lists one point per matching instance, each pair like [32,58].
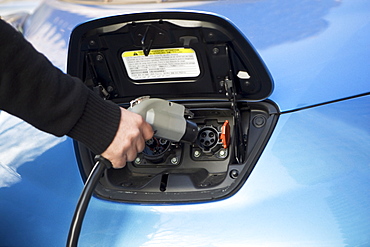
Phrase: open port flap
[167,55]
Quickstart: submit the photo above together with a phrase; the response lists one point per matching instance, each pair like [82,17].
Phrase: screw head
[196,153]
[234,173]
[174,160]
[137,160]
[110,89]
[99,57]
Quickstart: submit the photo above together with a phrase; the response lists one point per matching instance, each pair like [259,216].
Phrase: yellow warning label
[158,52]
[161,64]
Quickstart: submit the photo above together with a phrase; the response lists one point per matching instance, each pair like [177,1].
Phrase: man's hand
[129,140]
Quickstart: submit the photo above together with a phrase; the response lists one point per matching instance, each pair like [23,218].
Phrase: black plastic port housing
[228,84]
[167,172]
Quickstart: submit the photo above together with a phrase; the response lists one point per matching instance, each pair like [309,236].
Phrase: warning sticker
[161,64]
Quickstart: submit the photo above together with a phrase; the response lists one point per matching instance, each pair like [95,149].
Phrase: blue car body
[311,185]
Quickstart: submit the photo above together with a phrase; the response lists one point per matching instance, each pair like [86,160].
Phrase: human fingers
[147,131]
[140,144]
[136,147]
[129,140]
[120,162]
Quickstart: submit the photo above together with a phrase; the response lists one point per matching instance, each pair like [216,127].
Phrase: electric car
[279,92]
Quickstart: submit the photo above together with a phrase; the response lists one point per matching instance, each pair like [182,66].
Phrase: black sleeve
[33,89]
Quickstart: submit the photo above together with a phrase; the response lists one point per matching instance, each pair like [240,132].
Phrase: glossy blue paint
[325,43]
[309,188]
[39,185]
[315,51]
[11,7]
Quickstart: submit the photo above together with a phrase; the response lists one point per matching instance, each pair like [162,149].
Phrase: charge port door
[200,61]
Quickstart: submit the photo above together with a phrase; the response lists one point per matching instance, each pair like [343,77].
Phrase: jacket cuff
[98,124]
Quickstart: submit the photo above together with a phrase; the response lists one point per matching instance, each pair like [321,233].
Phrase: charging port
[225,89]
[208,138]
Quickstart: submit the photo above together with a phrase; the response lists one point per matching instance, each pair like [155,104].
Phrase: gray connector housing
[165,117]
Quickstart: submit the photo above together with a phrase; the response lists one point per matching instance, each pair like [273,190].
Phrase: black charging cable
[83,202]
